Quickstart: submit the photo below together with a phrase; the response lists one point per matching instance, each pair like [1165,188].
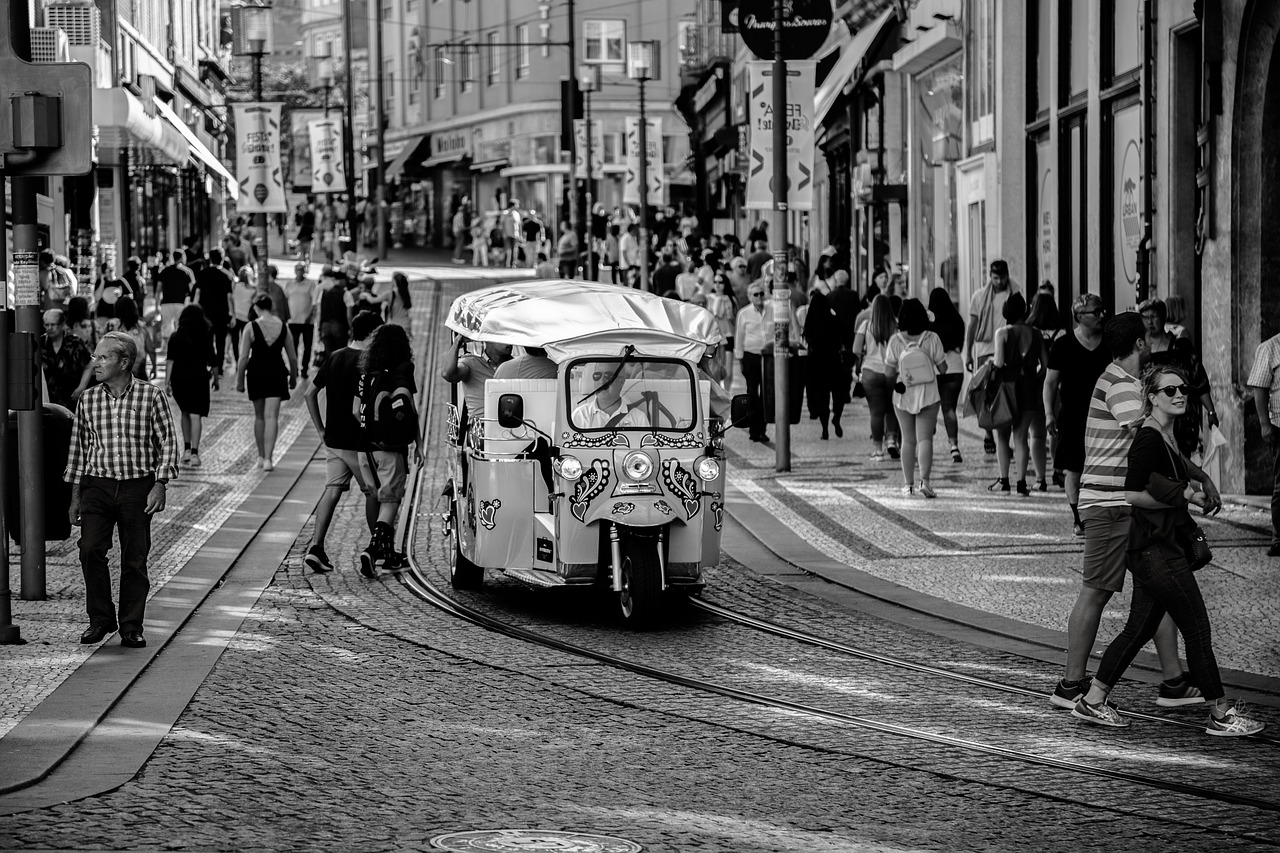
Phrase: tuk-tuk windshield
[632,394]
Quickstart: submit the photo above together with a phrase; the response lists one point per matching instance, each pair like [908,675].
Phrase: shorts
[340,466]
[1070,453]
[1106,544]
[386,472]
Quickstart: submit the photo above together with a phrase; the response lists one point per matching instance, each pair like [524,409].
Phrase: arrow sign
[798,114]
[654,164]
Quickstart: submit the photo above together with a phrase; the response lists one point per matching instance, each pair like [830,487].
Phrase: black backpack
[388,420]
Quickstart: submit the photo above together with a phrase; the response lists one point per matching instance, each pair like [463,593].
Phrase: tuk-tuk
[612,473]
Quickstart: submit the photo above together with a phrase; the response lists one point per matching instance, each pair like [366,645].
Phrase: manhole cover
[533,839]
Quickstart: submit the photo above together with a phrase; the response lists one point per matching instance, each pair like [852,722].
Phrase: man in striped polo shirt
[1115,412]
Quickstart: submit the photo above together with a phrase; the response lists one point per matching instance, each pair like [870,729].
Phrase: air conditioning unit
[81,21]
[49,44]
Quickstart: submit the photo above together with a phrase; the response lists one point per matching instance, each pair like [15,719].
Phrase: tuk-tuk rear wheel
[463,574]
[640,597]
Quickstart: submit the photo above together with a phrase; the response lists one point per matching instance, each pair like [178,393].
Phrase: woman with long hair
[723,306]
[261,370]
[1158,486]
[948,325]
[126,320]
[188,369]
[1046,319]
[823,274]
[244,289]
[916,399]
[1018,359]
[827,377]
[869,344]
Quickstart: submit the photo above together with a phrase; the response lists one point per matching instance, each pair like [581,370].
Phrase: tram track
[417,581]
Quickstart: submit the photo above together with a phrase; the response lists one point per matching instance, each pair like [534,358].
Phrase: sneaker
[1179,693]
[368,563]
[989,446]
[955,454]
[893,451]
[186,456]
[1000,485]
[396,560]
[909,490]
[1233,723]
[1100,715]
[317,559]
[1022,488]
[1066,697]
[194,461]
[927,490]
[877,455]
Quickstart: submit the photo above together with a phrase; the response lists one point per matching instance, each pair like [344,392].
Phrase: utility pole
[644,63]
[27,320]
[781,291]
[380,141]
[571,38]
[10,634]
[348,131]
[260,219]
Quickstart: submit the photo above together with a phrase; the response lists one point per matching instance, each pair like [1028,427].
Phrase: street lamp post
[256,21]
[588,82]
[644,64]
[348,130]
[324,71]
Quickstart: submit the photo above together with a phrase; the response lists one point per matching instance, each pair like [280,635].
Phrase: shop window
[545,148]
[612,147]
[1126,212]
[1077,18]
[492,60]
[1075,175]
[977,233]
[1041,23]
[439,65]
[1044,215]
[937,128]
[388,78]
[466,67]
[982,71]
[1126,37]
[523,52]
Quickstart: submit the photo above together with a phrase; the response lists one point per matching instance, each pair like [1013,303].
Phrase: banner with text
[631,186]
[326,156]
[799,118]
[298,148]
[258,171]
[580,149]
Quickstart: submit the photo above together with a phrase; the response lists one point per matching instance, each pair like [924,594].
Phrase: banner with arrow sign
[799,119]
[631,186]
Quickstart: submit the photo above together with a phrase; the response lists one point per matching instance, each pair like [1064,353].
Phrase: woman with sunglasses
[724,308]
[1157,486]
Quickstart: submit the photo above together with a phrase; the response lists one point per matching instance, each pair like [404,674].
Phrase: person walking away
[302,295]
[65,359]
[986,309]
[1017,359]
[214,295]
[177,284]
[339,377]
[759,257]
[629,256]
[567,251]
[1115,412]
[827,373]
[1157,484]
[613,254]
[533,234]
[868,351]
[306,222]
[509,222]
[1043,316]
[262,372]
[389,426]
[1180,352]
[665,276]
[189,364]
[460,231]
[126,320]
[122,455]
[948,325]
[1076,360]
[270,285]
[479,243]
[1264,385]
[243,293]
[913,359]
[723,306]
[400,303]
[337,305]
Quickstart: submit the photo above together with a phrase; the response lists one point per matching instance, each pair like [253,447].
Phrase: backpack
[388,421]
[914,366]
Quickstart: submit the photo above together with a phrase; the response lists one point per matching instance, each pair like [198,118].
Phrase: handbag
[1190,538]
[999,408]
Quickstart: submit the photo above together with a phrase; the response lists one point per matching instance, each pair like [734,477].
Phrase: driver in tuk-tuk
[603,408]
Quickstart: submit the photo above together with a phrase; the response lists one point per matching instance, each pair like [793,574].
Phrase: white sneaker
[186,456]
[1233,723]
[927,490]
[194,461]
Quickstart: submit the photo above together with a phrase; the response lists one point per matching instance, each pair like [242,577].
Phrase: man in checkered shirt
[123,454]
[1266,398]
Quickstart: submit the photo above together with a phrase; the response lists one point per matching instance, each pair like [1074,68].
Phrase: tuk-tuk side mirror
[740,410]
[510,411]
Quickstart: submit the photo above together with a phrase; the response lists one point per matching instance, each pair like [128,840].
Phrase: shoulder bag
[1190,537]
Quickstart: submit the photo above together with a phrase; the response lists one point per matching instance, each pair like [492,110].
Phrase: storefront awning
[122,123]
[535,169]
[490,165]
[198,149]
[443,159]
[409,152]
[848,63]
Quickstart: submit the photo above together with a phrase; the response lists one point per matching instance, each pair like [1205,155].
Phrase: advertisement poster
[300,147]
[258,173]
[800,144]
[631,185]
[580,149]
[326,156]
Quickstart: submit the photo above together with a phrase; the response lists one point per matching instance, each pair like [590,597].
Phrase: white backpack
[915,367]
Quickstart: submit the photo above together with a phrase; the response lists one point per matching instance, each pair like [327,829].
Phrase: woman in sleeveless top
[1017,356]
[267,381]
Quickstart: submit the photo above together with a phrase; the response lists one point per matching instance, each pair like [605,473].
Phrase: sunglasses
[598,375]
[1172,391]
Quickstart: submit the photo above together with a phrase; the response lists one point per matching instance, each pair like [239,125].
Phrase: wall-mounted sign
[452,144]
[805,26]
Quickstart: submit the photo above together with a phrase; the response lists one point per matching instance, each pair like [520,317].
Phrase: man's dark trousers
[104,505]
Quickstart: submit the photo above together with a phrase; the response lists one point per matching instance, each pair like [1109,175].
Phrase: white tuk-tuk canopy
[575,318]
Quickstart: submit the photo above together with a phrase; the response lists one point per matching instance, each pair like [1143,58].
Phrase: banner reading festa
[326,157]
[258,171]
[800,144]
[654,167]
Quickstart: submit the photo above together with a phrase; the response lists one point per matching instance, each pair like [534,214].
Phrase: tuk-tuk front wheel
[640,597]
[463,574]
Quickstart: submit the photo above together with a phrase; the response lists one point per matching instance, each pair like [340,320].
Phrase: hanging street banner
[580,149]
[799,119]
[631,186]
[299,148]
[326,156]
[258,171]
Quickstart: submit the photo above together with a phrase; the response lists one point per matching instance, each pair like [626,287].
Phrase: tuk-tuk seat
[539,410]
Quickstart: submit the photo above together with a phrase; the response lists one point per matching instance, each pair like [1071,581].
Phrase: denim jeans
[105,505]
[880,401]
[1163,583]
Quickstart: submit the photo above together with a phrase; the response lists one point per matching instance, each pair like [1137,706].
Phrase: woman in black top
[1157,486]
[948,325]
[262,371]
[828,376]
[188,367]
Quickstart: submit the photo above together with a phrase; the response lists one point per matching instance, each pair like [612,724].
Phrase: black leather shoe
[95,634]
[132,638]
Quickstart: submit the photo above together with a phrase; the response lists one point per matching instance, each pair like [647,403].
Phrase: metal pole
[260,219]
[571,40]
[644,194]
[781,292]
[348,132]
[591,251]
[380,177]
[10,634]
[30,423]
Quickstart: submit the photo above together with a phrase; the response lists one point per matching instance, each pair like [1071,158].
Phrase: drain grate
[524,840]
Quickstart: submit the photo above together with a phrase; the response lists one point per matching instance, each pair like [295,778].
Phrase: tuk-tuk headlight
[637,465]
[568,467]
[707,469]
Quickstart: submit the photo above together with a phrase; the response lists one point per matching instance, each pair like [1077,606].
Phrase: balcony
[704,45]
